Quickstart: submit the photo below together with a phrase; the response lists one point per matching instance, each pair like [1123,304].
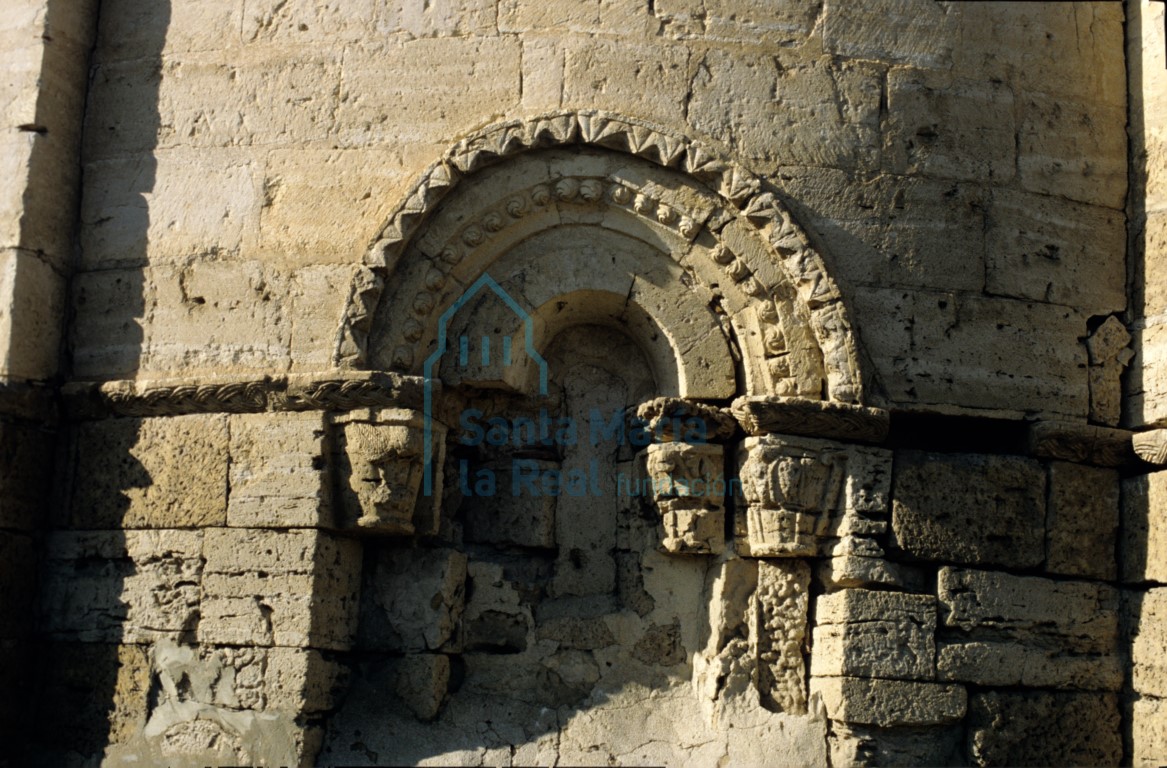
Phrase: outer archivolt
[747,233]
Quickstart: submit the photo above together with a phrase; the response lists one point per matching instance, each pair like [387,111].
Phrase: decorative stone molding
[790,491]
[663,416]
[792,269]
[380,458]
[807,497]
[334,391]
[1151,446]
[813,418]
[1110,352]
[1081,443]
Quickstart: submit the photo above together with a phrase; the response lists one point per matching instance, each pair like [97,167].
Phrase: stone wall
[209,583]
[236,564]
[961,174]
[43,69]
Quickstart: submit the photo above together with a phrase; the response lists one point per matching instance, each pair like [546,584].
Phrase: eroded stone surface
[889,703]
[150,473]
[1081,521]
[295,588]
[862,633]
[278,477]
[131,586]
[970,508]
[413,599]
[1009,728]
[1024,630]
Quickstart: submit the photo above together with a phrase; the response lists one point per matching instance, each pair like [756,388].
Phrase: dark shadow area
[84,674]
[529,612]
[956,434]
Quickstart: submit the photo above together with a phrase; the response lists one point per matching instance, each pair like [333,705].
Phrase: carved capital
[688,487]
[380,454]
[803,496]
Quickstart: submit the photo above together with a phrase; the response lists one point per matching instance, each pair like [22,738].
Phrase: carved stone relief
[381,455]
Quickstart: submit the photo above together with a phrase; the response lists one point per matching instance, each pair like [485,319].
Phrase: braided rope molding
[334,391]
[743,191]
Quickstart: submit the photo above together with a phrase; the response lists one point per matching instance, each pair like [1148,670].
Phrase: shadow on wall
[554,630]
[90,666]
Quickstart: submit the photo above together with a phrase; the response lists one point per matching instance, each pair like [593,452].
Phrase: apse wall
[961,166]
[217,585]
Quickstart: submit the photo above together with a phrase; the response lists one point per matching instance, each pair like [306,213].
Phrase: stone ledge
[1080,443]
[336,390]
[811,418]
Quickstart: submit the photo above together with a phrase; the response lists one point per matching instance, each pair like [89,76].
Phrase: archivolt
[713,216]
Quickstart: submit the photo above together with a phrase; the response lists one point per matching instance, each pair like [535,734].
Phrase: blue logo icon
[484,351]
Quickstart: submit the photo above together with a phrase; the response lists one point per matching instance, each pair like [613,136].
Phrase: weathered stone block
[853,744]
[897,230]
[1146,621]
[130,30]
[318,295]
[26,470]
[1050,49]
[955,350]
[1024,630]
[863,633]
[514,514]
[850,570]
[296,588]
[605,73]
[381,461]
[450,83]
[888,703]
[684,479]
[278,471]
[301,21]
[34,299]
[164,472]
[422,680]
[296,680]
[1072,149]
[947,127]
[1148,732]
[93,695]
[168,205]
[1040,728]
[1143,543]
[1082,521]
[526,16]
[108,332]
[218,314]
[969,508]
[115,586]
[915,33]
[412,599]
[443,18]
[1046,249]
[279,95]
[746,97]
[313,199]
